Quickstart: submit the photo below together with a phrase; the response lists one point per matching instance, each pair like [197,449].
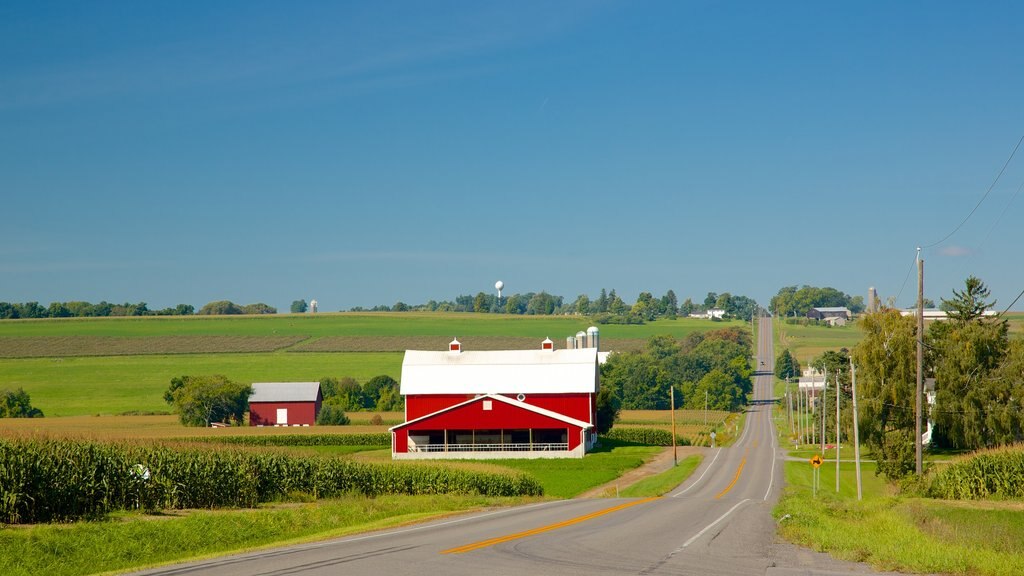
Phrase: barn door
[282,416]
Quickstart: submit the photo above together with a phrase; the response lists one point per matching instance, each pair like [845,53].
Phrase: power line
[987,192]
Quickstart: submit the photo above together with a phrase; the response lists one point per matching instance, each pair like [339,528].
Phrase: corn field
[62,480]
[368,439]
[648,435]
[995,473]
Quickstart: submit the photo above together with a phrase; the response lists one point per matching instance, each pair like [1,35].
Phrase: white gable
[500,372]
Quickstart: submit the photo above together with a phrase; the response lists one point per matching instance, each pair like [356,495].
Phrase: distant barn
[284,403]
[825,313]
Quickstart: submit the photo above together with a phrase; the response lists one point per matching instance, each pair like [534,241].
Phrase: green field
[353,324]
[84,366]
[808,342]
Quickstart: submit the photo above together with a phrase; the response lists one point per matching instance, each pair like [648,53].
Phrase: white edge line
[712,525]
[701,476]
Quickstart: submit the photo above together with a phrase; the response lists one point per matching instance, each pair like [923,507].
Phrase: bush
[332,416]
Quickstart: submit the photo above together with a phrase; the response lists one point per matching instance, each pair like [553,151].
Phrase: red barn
[284,403]
[498,404]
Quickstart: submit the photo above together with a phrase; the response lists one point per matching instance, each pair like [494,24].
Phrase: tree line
[712,367]
[82,309]
[607,308]
[793,301]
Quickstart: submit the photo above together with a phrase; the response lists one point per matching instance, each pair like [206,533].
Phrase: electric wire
[980,202]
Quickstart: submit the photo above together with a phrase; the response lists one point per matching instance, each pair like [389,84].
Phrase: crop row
[645,435]
[369,439]
[994,473]
[61,480]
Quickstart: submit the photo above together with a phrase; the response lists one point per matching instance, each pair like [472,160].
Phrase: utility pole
[824,408]
[838,433]
[856,432]
[672,403]
[920,362]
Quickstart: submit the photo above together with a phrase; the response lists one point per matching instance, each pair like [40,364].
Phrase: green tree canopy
[17,404]
[201,400]
[299,306]
[786,366]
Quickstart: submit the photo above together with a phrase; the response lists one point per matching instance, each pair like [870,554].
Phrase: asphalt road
[717,522]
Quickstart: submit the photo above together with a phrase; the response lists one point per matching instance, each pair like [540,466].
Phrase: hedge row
[995,473]
[370,439]
[645,435]
[60,480]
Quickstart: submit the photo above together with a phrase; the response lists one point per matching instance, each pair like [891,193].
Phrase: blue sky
[366,153]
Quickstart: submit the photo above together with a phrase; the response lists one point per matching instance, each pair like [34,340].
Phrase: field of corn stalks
[46,480]
[994,473]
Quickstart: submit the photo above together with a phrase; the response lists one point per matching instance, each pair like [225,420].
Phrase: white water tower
[498,286]
[312,306]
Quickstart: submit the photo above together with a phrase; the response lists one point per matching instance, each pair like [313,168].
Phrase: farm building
[284,403]
[829,312]
[498,404]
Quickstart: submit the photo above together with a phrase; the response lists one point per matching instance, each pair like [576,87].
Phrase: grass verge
[897,533]
[661,483]
[132,540]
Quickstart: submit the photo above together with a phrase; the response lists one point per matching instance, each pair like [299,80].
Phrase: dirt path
[661,462]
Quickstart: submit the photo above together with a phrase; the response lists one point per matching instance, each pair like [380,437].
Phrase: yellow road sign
[816,461]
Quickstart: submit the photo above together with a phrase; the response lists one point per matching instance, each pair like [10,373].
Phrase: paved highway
[717,522]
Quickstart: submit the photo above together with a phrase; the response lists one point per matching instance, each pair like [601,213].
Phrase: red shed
[284,403]
[498,404]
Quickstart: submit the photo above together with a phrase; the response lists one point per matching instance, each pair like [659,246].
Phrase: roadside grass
[136,540]
[565,478]
[120,384]
[659,484]
[899,533]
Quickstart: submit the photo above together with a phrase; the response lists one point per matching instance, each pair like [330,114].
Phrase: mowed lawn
[120,384]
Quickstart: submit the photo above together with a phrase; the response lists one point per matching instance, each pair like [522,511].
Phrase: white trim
[510,401]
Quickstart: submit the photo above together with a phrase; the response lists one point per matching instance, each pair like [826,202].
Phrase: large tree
[17,404]
[886,361]
[299,306]
[787,366]
[201,400]
[972,389]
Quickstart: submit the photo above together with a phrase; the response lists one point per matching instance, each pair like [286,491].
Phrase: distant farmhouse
[709,314]
[284,403]
[499,404]
[834,316]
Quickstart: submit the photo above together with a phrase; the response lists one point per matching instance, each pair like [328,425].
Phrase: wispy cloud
[955,251]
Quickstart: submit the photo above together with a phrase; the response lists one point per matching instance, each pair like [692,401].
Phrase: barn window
[487,404]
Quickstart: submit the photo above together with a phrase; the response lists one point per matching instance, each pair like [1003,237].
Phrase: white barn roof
[500,372]
[284,391]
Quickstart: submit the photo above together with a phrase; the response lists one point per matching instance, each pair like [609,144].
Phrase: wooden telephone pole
[920,363]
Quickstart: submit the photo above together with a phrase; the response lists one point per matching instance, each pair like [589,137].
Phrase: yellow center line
[739,471]
[542,529]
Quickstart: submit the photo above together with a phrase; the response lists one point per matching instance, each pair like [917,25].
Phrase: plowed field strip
[67,346]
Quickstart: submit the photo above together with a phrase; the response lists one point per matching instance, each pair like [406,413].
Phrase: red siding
[473,417]
[265,413]
[576,406]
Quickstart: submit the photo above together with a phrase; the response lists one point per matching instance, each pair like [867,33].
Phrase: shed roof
[831,309]
[284,392]
[500,372]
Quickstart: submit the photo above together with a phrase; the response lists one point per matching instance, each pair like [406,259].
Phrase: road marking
[771,479]
[710,526]
[735,478]
[542,529]
[677,494]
